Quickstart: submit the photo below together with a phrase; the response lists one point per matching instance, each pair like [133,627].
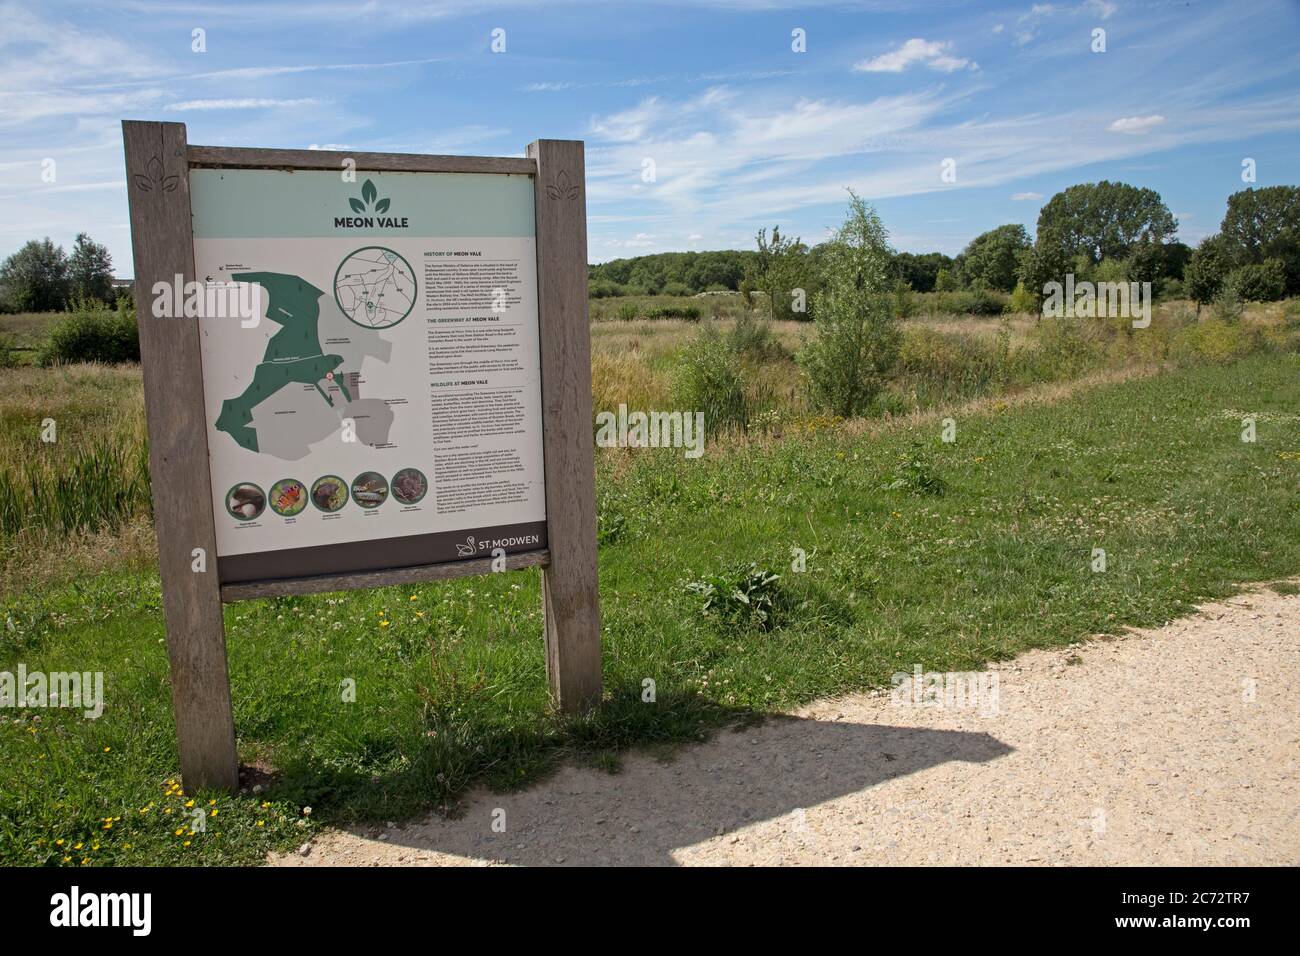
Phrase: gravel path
[1179,745]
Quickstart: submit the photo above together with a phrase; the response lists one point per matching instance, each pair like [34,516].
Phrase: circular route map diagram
[375,287]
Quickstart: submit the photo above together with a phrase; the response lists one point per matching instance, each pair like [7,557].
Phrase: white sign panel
[371,369]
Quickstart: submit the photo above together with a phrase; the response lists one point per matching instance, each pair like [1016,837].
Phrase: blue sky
[742,130]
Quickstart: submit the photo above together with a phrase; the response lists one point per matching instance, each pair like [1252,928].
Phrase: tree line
[1098,231]
[1106,231]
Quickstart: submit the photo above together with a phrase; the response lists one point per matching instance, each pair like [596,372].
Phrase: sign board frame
[158,162]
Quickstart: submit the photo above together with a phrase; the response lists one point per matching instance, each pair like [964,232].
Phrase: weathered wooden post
[158,184]
[570,593]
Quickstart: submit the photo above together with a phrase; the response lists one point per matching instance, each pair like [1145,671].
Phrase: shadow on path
[642,814]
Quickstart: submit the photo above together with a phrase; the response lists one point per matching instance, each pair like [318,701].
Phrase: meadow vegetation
[829,537]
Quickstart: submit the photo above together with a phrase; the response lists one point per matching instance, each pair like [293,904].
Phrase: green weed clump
[742,596]
[709,380]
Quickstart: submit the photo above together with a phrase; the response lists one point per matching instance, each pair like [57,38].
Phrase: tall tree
[1265,224]
[35,278]
[992,258]
[90,270]
[1104,220]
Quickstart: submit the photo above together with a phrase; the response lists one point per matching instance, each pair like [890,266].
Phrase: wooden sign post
[199,572]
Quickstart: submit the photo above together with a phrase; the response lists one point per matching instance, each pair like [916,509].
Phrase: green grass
[451,691]
[25,333]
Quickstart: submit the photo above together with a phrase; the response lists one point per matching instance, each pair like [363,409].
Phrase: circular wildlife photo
[409,485]
[245,502]
[329,493]
[369,489]
[288,497]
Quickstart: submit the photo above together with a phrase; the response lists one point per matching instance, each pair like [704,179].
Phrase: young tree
[1042,263]
[1258,281]
[35,278]
[857,335]
[90,270]
[945,281]
[781,270]
[1207,270]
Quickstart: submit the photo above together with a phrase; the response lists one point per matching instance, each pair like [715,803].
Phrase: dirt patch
[1170,746]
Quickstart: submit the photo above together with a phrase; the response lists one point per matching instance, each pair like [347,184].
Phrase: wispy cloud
[1026,197]
[245,103]
[1136,124]
[935,54]
[264,72]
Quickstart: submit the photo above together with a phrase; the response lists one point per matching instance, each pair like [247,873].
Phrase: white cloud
[936,54]
[1026,197]
[1136,124]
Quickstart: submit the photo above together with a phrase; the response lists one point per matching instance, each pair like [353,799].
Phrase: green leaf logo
[369,199]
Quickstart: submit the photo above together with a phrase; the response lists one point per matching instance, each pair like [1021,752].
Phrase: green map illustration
[293,354]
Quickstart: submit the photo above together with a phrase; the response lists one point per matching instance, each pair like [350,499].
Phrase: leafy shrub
[742,596]
[627,312]
[969,301]
[708,380]
[690,313]
[92,334]
[1259,282]
[600,289]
